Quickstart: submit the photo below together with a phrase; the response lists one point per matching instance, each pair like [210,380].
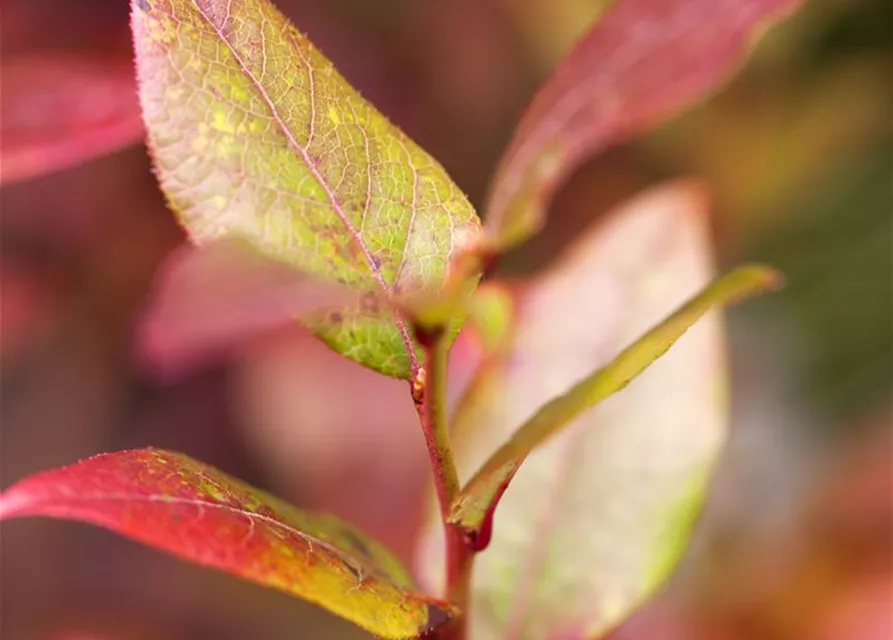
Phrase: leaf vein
[314,170]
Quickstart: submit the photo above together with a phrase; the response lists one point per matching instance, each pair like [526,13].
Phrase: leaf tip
[694,194]
[764,278]
[438,615]
[776,280]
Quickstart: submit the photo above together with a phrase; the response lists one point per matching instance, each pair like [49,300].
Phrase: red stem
[430,389]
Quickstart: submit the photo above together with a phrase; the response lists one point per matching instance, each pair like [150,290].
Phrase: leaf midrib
[330,194]
[251,516]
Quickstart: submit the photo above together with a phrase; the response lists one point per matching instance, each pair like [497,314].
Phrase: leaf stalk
[429,391]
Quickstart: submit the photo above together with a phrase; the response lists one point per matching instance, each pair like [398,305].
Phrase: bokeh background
[796,538]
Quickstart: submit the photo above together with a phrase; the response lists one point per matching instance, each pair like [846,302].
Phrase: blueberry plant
[551,516]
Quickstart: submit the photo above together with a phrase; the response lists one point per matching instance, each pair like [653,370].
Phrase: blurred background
[796,538]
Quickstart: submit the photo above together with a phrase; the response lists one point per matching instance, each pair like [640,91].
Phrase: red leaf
[30,306]
[212,298]
[642,62]
[60,111]
[191,510]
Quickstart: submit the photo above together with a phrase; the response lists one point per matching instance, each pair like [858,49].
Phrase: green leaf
[491,315]
[196,512]
[477,499]
[596,516]
[254,134]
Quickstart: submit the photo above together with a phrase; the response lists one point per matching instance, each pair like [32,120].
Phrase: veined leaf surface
[169,501]
[255,134]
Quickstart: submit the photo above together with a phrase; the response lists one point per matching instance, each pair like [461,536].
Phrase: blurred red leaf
[862,611]
[195,512]
[59,111]
[29,307]
[216,297]
[643,61]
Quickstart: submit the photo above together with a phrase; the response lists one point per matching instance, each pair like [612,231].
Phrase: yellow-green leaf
[171,502]
[477,498]
[255,134]
[491,315]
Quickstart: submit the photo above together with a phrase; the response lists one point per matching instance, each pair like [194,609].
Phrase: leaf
[478,498]
[492,316]
[208,299]
[642,62]
[30,308]
[584,532]
[219,298]
[191,510]
[256,135]
[61,111]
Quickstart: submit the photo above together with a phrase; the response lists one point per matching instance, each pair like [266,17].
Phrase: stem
[434,423]
[460,562]
[459,555]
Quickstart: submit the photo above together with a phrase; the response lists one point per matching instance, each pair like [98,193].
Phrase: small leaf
[61,111]
[478,498]
[643,61]
[590,523]
[491,315]
[208,299]
[193,511]
[256,135]
[490,329]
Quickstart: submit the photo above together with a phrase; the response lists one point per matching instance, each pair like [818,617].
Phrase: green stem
[434,424]
[459,555]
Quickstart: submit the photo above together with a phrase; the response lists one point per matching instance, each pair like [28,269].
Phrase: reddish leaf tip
[775,279]
[438,615]
[695,193]
[764,278]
